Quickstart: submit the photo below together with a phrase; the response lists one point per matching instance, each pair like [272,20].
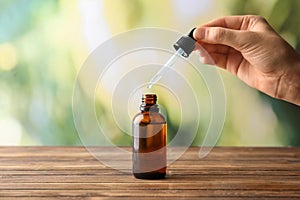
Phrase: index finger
[231,22]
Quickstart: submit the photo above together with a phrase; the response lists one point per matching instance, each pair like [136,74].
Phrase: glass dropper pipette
[165,68]
[184,46]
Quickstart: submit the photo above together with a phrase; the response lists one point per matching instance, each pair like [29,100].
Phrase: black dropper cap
[186,43]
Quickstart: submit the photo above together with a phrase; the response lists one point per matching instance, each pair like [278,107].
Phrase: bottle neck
[149,103]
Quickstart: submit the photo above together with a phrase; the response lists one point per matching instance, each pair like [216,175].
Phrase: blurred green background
[43,44]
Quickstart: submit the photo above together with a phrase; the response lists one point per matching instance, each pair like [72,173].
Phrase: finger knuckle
[259,19]
[218,34]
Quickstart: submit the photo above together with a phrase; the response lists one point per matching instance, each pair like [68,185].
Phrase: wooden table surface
[226,173]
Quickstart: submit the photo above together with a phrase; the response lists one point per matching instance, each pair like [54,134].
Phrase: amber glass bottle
[149,141]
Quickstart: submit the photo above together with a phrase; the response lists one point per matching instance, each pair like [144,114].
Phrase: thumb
[218,35]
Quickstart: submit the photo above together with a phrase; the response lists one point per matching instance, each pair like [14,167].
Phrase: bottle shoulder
[149,117]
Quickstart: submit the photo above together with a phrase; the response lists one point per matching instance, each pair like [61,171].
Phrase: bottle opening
[149,99]
[149,102]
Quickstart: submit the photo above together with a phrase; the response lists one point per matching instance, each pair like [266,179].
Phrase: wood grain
[73,173]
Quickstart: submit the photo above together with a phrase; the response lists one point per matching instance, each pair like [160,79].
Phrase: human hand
[248,47]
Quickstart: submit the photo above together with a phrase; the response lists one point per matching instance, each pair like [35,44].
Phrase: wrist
[290,83]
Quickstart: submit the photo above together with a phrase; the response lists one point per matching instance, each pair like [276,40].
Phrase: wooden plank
[282,185]
[82,151]
[178,171]
[151,193]
[187,166]
[129,179]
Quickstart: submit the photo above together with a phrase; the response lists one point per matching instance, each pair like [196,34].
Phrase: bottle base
[150,175]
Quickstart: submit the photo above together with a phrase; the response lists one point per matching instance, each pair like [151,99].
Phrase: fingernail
[201,59]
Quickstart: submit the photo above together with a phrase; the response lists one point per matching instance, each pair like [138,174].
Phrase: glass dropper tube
[167,66]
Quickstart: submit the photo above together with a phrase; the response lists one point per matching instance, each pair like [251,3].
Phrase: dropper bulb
[191,33]
[186,43]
